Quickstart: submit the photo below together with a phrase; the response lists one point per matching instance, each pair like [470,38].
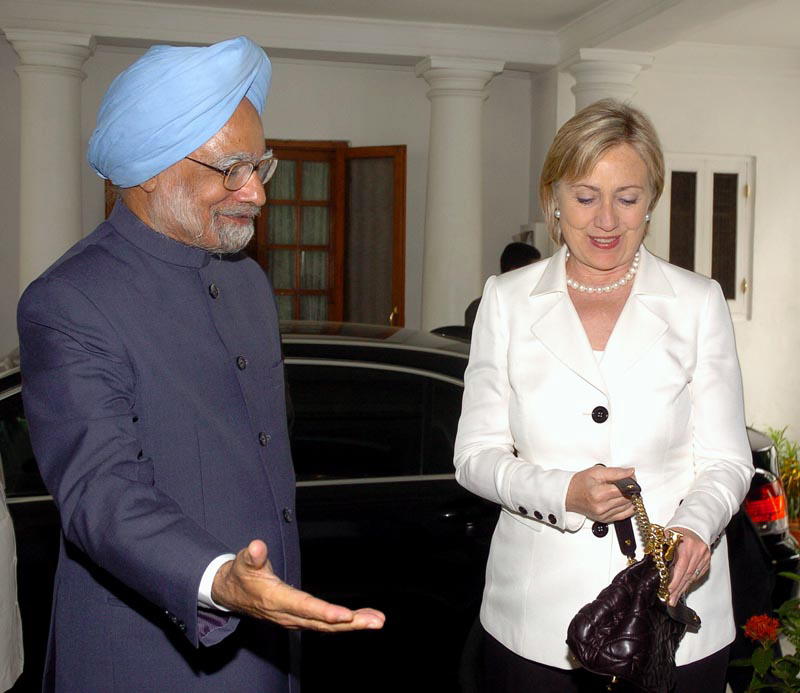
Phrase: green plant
[773,671]
[789,466]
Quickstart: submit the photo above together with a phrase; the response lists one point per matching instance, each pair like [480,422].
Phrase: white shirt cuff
[207,581]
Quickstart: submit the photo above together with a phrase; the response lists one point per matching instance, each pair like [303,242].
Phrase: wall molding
[642,25]
[124,22]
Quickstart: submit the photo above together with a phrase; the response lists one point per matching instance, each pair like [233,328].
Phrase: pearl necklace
[629,275]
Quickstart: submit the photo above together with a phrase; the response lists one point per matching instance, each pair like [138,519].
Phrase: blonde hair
[583,140]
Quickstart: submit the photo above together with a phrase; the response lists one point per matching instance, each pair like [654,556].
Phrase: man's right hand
[249,586]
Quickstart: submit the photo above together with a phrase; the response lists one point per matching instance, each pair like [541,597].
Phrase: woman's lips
[604,243]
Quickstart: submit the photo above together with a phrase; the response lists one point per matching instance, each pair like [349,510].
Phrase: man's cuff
[207,582]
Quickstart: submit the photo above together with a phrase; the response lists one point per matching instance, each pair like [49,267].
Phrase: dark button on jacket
[288,515]
[537,514]
[264,438]
[522,510]
[599,414]
[599,529]
[551,518]
[241,362]
[176,621]
[213,291]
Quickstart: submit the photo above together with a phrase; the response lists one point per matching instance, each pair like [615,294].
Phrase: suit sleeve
[485,458]
[722,459]
[79,396]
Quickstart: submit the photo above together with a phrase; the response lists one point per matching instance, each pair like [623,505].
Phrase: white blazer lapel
[557,325]
[638,327]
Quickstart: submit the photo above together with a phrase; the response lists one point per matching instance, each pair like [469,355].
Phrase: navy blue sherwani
[153,385]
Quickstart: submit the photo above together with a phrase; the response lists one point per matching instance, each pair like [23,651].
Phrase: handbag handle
[628,486]
[659,542]
[624,528]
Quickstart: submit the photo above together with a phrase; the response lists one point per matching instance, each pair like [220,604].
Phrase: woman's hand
[692,559]
[592,493]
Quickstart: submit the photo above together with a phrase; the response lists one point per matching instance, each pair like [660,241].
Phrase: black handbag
[629,632]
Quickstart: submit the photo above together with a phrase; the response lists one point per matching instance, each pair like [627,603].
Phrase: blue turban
[171,101]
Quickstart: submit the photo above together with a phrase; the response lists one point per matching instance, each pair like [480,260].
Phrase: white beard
[232,236]
[174,213]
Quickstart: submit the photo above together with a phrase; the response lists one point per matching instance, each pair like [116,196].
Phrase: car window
[19,466]
[356,422]
[442,414]
[349,422]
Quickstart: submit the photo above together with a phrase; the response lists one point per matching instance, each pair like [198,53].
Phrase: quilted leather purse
[629,632]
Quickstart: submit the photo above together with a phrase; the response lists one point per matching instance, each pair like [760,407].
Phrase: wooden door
[374,262]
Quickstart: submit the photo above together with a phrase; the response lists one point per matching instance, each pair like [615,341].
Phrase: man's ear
[149,185]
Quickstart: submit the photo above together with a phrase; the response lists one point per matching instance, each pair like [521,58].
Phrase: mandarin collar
[161,247]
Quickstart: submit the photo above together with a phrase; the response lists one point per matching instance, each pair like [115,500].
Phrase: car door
[383,522]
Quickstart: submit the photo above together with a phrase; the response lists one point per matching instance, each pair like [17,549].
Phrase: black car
[382,522]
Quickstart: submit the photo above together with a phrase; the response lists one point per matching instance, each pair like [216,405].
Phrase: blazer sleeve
[722,458]
[79,397]
[485,458]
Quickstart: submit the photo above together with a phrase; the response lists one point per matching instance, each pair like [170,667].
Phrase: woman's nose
[606,218]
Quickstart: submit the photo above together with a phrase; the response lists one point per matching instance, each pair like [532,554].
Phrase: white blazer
[670,381]
[10,627]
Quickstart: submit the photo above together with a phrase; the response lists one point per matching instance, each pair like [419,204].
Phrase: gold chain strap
[659,542]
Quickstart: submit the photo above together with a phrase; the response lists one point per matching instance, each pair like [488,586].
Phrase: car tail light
[766,504]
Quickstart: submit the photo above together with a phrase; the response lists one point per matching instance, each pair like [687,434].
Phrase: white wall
[366,105]
[750,112]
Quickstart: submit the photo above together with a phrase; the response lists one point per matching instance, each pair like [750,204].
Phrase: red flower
[762,628]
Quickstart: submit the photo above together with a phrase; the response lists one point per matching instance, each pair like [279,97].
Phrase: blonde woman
[600,362]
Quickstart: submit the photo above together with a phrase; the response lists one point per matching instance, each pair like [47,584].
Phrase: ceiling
[771,23]
[543,15]
[526,35]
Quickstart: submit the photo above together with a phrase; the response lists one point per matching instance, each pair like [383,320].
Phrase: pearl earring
[647,217]
[557,214]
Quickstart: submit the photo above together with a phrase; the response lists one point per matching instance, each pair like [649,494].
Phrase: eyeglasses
[237,175]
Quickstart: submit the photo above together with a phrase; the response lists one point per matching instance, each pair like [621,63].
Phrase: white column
[51,155]
[453,216]
[603,73]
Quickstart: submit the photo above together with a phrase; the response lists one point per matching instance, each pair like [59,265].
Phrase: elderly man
[153,384]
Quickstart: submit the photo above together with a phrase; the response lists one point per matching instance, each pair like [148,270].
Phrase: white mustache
[243,210]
